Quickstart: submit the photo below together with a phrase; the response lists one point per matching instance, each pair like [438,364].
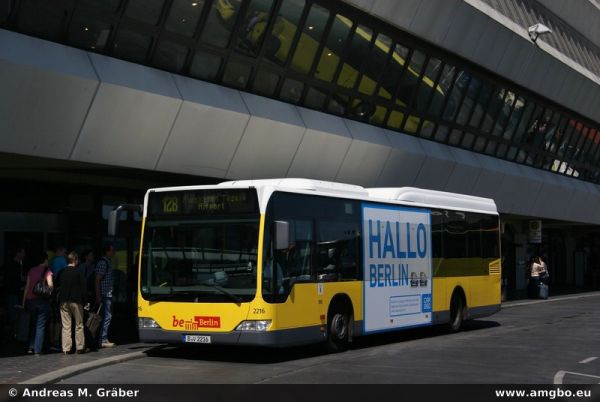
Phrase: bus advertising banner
[397,267]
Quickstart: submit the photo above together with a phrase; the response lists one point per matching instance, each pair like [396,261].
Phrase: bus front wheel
[338,329]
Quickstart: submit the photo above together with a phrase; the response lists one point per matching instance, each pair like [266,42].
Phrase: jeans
[106,318]
[40,310]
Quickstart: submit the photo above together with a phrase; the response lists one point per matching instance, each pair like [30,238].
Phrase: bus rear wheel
[457,313]
[338,329]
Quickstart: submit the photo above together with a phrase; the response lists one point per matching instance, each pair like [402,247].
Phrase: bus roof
[395,195]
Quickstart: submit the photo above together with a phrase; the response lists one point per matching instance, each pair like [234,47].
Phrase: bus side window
[455,234]
[337,250]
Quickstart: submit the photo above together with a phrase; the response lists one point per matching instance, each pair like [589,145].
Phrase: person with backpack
[37,304]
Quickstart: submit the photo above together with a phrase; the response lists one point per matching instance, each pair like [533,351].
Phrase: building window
[312,33]
[220,24]
[205,66]
[237,74]
[131,45]
[184,16]
[146,11]
[170,56]
[88,31]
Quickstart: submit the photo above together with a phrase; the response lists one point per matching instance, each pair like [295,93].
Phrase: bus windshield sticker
[397,261]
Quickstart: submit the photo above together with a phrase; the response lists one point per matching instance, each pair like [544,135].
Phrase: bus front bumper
[279,338]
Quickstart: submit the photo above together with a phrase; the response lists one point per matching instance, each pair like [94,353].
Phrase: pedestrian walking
[38,304]
[72,298]
[104,292]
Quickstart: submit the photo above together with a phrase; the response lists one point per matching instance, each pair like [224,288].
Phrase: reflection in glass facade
[328,56]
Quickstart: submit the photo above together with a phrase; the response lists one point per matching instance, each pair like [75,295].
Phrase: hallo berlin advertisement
[397,267]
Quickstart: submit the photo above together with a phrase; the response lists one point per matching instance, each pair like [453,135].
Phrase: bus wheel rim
[338,326]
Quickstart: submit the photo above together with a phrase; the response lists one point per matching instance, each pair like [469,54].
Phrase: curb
[57,375]
[549,300]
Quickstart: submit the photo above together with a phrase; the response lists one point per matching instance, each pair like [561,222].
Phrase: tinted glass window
[374,64]
[170,56]
[357,52]
[410,78]
[310,37]
[205,66]
[330,56]
[338,249]
[285,27]
[184,16]
[461,84]
[437,231]
[105,5]
[265,83]
[455,234]
[237,74]
[88,31]
[42,18]
[219,25]
[131,45]
[421,99]
[392,72]
[252,28]
[147,11]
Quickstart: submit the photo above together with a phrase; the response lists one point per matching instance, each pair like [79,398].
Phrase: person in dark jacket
[72,297]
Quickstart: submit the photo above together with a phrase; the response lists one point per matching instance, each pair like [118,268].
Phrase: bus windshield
[195,254]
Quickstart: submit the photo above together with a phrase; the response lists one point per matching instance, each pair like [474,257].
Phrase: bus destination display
[202,203]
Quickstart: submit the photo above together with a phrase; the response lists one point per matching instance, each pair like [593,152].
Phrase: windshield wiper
[223,291]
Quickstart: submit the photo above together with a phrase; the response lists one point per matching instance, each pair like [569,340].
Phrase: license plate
[196,339]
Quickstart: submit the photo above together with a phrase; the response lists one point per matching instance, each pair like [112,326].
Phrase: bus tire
[339,321]
[457,312]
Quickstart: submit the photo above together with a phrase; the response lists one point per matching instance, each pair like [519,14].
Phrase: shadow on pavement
[262,355]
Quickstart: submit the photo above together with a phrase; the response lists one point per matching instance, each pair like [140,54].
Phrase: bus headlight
[254,325]
[145,322]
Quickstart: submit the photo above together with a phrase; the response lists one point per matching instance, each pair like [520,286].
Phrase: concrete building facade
[102,99]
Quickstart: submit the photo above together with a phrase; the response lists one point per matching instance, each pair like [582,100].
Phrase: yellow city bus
[284,262]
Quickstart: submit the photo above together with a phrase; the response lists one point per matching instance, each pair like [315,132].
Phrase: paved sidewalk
[51,367]
[526,302]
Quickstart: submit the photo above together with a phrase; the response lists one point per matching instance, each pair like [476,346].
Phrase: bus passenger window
[337,251]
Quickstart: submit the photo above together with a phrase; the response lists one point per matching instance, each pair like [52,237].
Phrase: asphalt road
[555,341]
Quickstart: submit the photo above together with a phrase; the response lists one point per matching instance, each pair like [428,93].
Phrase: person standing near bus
[59,262]
[39,306]
[104,292]
[72,297]
[534,279]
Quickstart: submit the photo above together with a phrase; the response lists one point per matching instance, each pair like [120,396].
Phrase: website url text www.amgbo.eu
[543,393]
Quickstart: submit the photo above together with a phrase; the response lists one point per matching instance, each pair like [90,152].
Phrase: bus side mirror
[113,222]
[282,235]
[115,216]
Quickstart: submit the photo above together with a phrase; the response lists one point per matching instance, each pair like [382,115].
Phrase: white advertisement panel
[397,267]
